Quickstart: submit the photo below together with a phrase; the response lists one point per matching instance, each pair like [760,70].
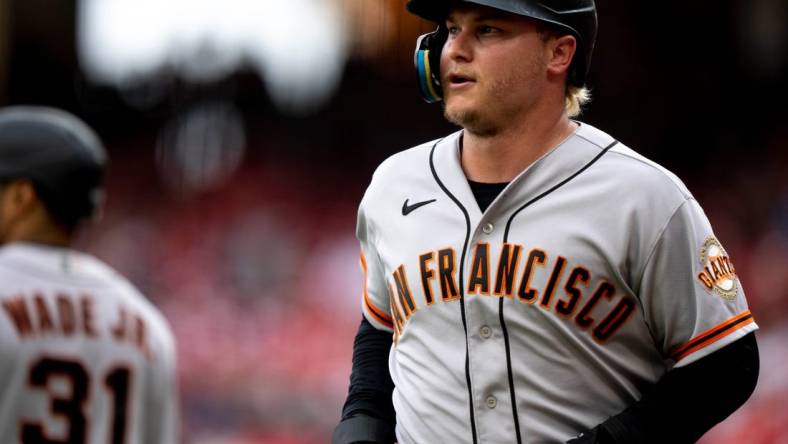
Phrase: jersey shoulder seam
[651,251]
[26,270]
[390,170]
[658,238]
[671,177]
[601,146]
[642,160]
[396,163]
[426,146]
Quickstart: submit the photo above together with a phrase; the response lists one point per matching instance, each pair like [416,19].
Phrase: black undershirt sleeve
[368,413]
[687,401]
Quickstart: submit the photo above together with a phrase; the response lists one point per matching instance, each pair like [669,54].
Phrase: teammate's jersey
[84,357]
[593,273]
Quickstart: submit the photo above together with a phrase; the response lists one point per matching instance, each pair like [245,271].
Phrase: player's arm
[687,401]
[709,379]
[368,414]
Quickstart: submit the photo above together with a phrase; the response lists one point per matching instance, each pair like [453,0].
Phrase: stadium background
[238,162]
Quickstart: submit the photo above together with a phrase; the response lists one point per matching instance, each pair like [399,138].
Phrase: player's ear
[18,197]
[560,52]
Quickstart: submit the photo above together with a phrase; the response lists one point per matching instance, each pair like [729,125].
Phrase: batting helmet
[59,154]
[575,17]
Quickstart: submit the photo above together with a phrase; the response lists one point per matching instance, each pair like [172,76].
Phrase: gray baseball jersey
[84,358]
[593,273]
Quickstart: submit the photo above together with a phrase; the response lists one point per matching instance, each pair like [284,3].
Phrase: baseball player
[529,278]
[84,357]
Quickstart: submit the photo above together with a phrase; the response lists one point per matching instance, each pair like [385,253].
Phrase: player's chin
[457,104]
[472,119]
[460,114]
[452,112]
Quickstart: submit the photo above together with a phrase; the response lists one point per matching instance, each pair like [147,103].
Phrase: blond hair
[576,97]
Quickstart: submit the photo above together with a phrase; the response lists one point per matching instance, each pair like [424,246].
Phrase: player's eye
[487,29]
[452,29]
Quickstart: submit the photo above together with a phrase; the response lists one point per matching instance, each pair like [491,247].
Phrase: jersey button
[491,402]
[486,332]
[488,228]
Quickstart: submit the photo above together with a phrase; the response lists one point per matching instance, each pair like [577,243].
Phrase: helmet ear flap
[427,61]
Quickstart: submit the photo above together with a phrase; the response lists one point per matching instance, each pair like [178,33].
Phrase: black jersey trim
[555,187]
[462,291]
[512,393]
[712,335]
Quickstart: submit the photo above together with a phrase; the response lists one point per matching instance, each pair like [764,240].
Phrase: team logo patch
[718,274]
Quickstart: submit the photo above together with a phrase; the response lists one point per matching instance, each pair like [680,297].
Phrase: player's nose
[459,46]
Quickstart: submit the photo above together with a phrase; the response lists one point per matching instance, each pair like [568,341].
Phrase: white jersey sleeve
[376,213]
[693,301]
[376,304]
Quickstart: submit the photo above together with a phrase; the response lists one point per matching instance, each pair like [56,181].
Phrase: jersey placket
[487,346]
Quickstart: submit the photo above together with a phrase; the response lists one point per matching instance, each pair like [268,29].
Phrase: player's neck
[503,156]
[37,231]
[51,239]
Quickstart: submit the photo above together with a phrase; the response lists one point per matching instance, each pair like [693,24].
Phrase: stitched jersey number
[117,381]
[72,408]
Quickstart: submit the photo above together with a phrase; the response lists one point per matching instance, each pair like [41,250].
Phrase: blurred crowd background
[243,134]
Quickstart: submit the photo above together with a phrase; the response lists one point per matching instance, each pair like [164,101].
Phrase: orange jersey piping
[376,313]
[713,335]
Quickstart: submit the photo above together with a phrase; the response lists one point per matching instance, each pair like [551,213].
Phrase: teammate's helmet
[576,17]
[59,154]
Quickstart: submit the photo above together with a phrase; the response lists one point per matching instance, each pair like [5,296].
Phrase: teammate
[84,357]
[541,281]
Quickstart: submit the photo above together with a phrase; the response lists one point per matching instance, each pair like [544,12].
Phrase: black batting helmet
[59,154]
[575,17]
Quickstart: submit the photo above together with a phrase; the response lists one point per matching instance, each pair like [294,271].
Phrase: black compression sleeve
[370,382]
[689,400]
[368,414]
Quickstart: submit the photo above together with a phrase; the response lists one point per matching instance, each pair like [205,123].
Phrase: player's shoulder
[629,168]
[411,160]
[25,266]
[130,294]
[58,266]
[115,283]
[410,166]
